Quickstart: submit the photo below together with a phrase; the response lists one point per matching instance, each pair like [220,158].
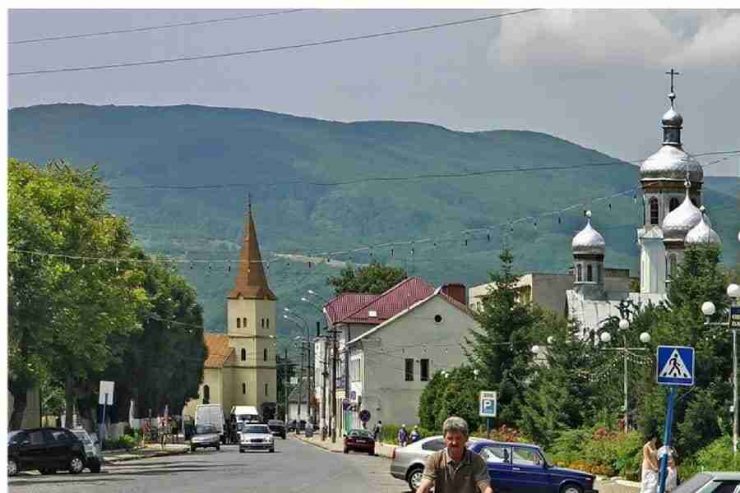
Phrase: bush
[599,451]
[127,442]
[717,456]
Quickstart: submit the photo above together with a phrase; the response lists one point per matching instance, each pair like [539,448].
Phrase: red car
[359,440]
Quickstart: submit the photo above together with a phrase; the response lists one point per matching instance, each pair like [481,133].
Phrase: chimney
[457,292]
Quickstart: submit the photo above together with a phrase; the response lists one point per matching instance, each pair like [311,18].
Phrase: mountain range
[437,202]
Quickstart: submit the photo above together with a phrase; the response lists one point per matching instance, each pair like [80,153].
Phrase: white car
[256,437]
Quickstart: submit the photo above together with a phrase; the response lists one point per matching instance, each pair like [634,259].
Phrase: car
[207,435]
[297,426]
[46,450]
[711,482]
[256,437]
[277,427]
[359,440]
[93,454]
[515,467]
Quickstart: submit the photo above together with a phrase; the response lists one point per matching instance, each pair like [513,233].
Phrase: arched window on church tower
[244,322]
[206,394]
[238,323]
[244,388]
[579,273]
[244,354]
[654,214]
[589,273]
[265,354]
[672,204]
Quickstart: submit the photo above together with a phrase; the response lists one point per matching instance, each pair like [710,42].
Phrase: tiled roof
[347,303]
[218,350]
[386,305]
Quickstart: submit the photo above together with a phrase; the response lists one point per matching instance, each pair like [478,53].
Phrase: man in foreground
[455,469]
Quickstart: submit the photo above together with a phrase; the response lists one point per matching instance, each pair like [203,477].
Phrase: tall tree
[374,278]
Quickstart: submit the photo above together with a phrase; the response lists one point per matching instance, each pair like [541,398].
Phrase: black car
[277,427]
[48,450]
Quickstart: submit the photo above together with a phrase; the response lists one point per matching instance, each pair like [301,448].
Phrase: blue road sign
[675,365]
[735,316]
[487,404]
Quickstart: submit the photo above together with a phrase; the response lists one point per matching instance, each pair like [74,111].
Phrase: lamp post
[708,309]
[606,338]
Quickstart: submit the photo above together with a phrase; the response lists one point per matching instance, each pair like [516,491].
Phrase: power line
[220,186]
[273,48]
[153,28]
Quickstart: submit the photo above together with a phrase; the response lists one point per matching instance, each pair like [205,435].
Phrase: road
[294,467]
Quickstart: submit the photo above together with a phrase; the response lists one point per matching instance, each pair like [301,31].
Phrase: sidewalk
[604,485]
[144,452]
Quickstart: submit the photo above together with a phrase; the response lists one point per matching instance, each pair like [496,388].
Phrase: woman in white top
[649,482]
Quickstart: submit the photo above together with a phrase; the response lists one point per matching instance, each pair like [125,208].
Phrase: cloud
[619,37]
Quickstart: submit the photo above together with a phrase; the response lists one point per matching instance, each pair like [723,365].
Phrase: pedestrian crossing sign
[675,365]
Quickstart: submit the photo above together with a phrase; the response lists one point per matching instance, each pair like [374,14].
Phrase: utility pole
[333,385]
[285,386]
[300,387]
[324,375]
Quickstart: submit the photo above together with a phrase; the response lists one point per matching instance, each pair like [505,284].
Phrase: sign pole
[102,425]
[667,438]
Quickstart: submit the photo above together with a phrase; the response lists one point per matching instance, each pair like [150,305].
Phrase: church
[240,368]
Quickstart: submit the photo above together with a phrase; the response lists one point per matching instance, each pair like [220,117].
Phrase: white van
[211,414]
[245,414]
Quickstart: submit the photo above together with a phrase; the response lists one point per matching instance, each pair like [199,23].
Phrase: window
[727,487]
[238,323]
[262,322]
[525,456]
[206,394]
[355,374]
[409,370]
[424,370]
[497,454]
[244,322]
[598,274]
[265,389]
[438,318]
[433,445]
[36,437]
[244,354]
[654,214]
[589,273]
[268,323]
[672,204]
[264,354]
[244,388]
[579,273]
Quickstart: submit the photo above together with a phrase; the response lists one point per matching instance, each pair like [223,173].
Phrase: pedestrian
[455,468]
[671,482]
[378,430]
[649,483]
[415,435]
[403,436]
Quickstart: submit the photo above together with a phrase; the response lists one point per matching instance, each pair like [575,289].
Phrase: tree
[375,278]
[454,393]
[65,303]
[500,349]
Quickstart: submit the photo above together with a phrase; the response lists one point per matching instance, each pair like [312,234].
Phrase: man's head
[455,431]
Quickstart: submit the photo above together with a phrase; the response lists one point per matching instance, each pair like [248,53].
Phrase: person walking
[403,436]
[455,468]
[649,483]
[415,435]
[378,430]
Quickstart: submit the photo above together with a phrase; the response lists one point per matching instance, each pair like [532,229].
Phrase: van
[245,414]
[211,415]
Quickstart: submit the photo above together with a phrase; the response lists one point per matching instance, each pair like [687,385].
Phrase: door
[33,450]
[58,447]
[498,461]
[528,470]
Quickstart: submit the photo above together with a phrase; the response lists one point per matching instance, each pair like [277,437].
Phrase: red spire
[251,282]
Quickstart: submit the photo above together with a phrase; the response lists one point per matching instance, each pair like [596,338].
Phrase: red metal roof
[386,305]
[347,303]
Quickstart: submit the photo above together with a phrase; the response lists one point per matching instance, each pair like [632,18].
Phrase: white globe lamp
[733,291]
[536,349]
[605,337]
[708,308]
[644,338]
[624,324]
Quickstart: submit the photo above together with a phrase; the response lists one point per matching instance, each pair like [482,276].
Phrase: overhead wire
[272,49]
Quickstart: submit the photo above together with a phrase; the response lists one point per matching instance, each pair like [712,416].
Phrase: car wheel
[218,447]
[272,450]
[76,465]
[12,467]
[95,467]
[571,488]
[414,477]
[241,450]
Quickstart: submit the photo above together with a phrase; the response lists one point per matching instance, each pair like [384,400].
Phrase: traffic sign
[675,365]
[105,394]
[735,316]
[364,415]
[487,404]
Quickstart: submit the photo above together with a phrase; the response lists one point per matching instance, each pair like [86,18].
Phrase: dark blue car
[519,467]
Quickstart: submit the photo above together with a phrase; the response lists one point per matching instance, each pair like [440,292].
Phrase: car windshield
[256,429]
[199,429]
[82,435]
[275,422]
[13,435]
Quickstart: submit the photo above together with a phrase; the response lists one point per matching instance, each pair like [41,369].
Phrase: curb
[134,456]
[381,453]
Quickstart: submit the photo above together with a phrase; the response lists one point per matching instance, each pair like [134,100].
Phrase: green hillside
[285,162]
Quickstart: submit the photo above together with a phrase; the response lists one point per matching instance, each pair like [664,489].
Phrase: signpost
[675,367]
[105,394]
[364,415]
[487,407]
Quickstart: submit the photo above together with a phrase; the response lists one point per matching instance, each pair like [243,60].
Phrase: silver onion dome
[588,240]
[672,118]
[702,233]
[681,219]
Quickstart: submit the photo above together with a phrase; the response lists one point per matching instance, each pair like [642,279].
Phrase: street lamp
[606,338]
[708,309]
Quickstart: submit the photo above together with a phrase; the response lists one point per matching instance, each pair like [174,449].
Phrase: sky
[593,77]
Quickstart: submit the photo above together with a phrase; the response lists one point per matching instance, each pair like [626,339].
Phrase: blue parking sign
[487,404]
[675,365]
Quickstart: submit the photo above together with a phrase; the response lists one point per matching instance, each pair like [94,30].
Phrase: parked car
[297,426]
[277,427]
[205,436]
[514,467]
[711,482]
[93,454]
[47,450]
[360,441]
[256,437]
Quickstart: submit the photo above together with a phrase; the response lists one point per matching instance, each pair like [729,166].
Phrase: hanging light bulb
[391,252]
[309,264]
[228,266]
[560,220]
[488,236]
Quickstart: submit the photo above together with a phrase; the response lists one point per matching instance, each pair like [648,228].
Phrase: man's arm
[425,486]
[486,488]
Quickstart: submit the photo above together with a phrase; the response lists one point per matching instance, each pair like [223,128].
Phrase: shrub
[123,442]
[717,456]
[599,451]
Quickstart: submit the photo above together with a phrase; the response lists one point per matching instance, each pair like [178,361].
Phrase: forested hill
[211,158]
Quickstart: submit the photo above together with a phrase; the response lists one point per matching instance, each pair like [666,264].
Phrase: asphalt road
[294,467]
